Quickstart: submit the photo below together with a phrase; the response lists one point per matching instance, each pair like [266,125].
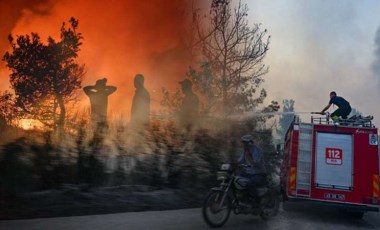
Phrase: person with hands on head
[98,95]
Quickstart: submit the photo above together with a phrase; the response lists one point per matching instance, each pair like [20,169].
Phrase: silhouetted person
[98,95]
[190,104]
[141,103]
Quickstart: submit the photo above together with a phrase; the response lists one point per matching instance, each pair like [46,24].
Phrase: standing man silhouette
[141,103]
[189,108]
[98,95]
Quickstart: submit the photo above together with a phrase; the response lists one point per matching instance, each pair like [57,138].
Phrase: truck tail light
[370,200]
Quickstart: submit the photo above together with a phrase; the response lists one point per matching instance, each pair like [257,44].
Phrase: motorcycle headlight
[225,167]
[221,175]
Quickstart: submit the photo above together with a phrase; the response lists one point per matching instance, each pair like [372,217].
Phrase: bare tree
[233,54]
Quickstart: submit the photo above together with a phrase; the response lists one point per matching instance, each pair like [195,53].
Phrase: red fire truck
[332,163]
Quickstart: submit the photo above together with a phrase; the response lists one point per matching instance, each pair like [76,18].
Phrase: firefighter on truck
[332,164]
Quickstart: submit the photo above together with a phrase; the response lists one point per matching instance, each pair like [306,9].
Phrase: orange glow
[121,39]
[29,124]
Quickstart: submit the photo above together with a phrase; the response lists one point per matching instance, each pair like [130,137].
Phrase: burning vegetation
[175,140]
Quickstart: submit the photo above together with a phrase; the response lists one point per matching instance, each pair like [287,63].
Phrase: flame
[121,39]
[29,124]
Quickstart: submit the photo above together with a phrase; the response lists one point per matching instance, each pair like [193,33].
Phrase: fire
[120,40]
[29,124]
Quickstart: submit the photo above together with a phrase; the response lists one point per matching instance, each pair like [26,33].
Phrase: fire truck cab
[332,163]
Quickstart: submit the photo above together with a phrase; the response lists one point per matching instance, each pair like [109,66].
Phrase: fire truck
[332,163]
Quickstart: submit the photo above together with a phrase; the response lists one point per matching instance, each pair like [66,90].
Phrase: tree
[286,118]
[171,101]
[7,108]
[45,76]
[233,51]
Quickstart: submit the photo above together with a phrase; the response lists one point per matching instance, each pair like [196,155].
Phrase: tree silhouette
[286,118]
[233,52]
[45,76]
[7,109]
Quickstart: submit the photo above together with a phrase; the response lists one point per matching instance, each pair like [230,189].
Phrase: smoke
[11,11]
[376,64]
[320,46]
[121,39]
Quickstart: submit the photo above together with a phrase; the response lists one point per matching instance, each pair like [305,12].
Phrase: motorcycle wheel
[271,207]
[213,214]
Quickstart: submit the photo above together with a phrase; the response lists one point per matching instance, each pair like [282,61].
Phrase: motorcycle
[233,195]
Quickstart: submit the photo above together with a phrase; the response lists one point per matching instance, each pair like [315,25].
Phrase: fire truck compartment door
[333,163]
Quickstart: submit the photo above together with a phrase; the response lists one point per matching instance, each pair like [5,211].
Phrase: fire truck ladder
[304,159]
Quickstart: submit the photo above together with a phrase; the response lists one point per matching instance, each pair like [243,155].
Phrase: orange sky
[121,38]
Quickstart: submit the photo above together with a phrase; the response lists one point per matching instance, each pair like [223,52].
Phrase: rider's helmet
[246,139]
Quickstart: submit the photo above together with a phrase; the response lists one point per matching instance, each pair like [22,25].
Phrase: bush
[15,170]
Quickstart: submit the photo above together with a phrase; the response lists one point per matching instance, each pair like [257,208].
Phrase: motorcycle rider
[252,159]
